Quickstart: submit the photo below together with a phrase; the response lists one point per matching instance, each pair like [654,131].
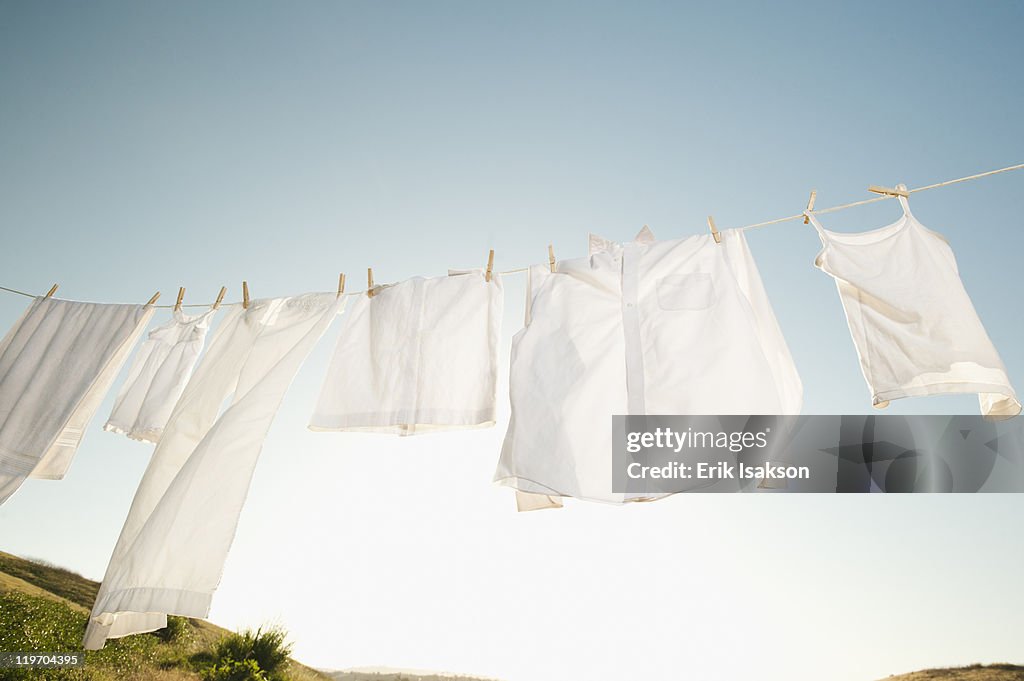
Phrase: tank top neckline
[870,236]
[183,318]
[865,238]
[858,239]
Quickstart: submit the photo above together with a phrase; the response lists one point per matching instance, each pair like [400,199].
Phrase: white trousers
[171,552]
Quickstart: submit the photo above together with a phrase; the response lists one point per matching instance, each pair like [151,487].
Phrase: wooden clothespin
[341,284]
[156,297]
[490,265]
[888,191]
[551,257]
[714,230]
[810,205]
[53,289]
[245,295]
[181,296]
[369,282]
[220,297]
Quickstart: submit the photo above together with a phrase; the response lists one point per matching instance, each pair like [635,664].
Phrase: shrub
[268,649]
[235,670]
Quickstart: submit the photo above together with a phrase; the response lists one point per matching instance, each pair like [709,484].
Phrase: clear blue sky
[149,145]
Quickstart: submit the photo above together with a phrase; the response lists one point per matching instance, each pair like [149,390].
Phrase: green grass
[44,608]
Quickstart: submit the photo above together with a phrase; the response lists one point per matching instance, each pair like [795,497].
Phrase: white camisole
[913,324]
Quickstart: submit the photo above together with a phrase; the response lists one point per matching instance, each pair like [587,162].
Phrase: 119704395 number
[41,660]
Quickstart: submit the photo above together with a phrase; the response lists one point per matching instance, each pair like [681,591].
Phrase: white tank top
[912,322]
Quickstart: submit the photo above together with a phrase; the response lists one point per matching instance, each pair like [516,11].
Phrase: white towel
[420,355]
[158,376]
[56,365]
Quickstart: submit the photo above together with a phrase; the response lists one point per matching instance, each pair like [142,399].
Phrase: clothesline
[766,223]
[876,199]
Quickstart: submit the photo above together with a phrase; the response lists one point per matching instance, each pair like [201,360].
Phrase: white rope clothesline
[876,199]
[756,225]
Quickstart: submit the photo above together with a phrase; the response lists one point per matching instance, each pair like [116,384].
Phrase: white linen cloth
[914,326]
[158,375]
[648,327]
[56,365]
[171,552]
[420,355]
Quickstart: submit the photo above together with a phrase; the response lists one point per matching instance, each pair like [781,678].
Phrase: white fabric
[649,327]
[158,375]
[420,355]
[56,365]
[913,324]
[171,552]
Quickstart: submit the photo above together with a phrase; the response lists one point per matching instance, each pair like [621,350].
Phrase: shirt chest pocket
[694,291]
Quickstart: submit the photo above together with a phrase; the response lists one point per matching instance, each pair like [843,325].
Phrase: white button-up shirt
[647,327]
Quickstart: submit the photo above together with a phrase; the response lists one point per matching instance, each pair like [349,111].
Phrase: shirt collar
[599,244]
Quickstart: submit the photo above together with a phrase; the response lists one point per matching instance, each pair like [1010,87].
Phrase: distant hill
[44,608]
[974,672]
[994,672]
[397,675]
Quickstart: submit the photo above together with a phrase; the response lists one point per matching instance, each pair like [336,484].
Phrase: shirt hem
[404,422]
[882,397]
[138,610]
[534,487]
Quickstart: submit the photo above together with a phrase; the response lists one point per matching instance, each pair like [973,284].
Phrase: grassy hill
[974,672]
[44,608]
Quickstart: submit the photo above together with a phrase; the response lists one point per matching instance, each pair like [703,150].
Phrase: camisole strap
[817,225]
[903,200]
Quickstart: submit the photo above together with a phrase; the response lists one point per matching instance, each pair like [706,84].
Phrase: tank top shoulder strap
[817,226]
[904,202]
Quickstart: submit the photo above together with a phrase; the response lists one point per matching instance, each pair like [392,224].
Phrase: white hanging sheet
[56,365]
